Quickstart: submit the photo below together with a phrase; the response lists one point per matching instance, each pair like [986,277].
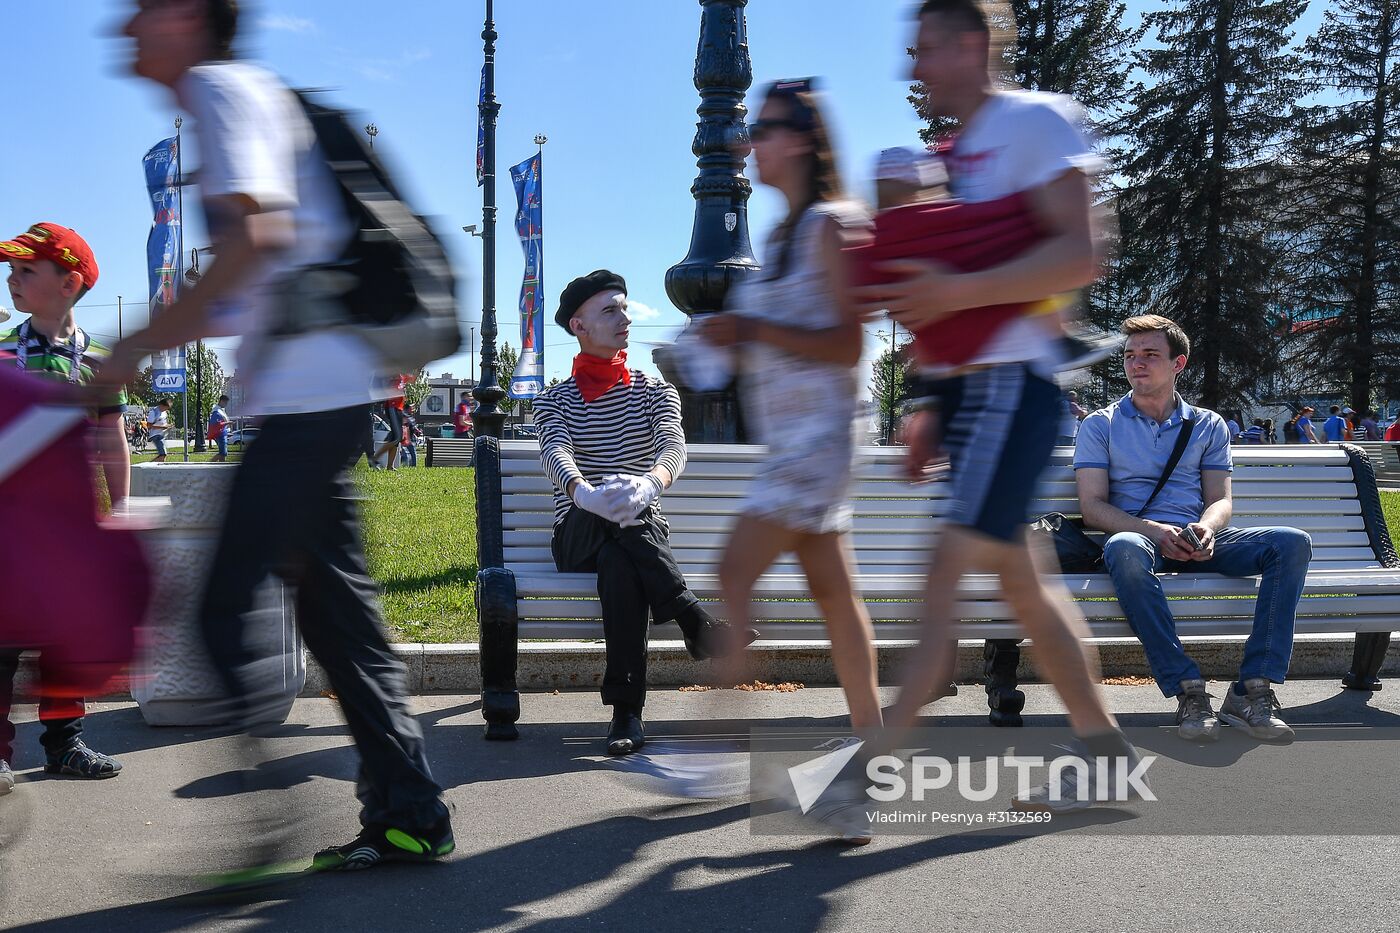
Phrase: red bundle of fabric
[73,590]
[966,236]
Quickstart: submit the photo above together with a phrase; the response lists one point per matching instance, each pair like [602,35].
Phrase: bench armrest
[490,527]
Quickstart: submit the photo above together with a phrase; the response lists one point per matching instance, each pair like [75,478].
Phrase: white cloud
[640,312]
[284,23]
[387,69]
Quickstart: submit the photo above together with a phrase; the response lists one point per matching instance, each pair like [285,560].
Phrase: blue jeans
[1278,555]
[222,441]
[159,441]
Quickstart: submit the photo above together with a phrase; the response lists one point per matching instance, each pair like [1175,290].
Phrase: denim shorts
[999,428]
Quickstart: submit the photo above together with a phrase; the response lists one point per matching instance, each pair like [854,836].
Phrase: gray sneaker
[7,778]
[1255,711]
[1069,793]
[1195,720]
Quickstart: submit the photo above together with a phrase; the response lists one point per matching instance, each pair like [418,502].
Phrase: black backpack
[1290,431]
[392,285]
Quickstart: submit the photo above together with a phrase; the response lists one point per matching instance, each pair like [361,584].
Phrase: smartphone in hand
[1190,535]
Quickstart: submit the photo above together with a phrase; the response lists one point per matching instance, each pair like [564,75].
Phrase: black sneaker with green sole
[378,843]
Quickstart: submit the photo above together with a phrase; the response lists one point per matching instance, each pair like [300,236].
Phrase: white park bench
[1385,458]
[1353,583]
[449,452]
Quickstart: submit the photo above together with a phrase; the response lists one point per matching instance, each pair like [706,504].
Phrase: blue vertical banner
[481,131]
[163,259]
[528,379]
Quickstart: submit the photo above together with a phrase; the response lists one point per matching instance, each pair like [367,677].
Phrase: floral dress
[805,410]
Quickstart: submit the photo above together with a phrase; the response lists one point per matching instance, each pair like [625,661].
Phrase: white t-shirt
[158,422]
[1019,141]
[254,140]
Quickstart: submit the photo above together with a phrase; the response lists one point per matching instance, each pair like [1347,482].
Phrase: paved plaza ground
[551,837]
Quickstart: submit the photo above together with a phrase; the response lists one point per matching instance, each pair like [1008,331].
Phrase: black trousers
[61,727]
[637,576]
[292,512]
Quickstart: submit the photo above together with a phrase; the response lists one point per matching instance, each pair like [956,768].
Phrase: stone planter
[173,681]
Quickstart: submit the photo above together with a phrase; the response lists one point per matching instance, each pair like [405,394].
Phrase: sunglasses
[760,130]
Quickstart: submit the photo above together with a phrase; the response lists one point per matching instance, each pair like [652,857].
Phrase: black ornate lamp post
[489,419]
[720,251]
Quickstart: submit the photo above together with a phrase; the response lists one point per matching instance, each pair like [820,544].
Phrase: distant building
[439,404]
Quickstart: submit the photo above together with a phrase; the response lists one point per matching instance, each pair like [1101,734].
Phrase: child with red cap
[51,269]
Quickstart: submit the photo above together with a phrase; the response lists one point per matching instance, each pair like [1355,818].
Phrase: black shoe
[377,844]
[1083,345]
[713,641]
[625,734]
[77,760]
[706,638]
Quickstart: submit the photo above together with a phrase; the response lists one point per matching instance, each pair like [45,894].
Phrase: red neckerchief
[594,375]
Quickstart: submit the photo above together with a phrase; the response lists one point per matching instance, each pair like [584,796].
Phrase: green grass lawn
[420,533]
[178,456]
[1390,502]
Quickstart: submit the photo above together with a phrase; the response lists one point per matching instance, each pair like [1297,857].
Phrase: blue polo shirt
[1134,449]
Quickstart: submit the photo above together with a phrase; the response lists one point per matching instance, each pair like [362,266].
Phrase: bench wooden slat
[876,586]
[687,487]
[905,631]
[1057,472]
[908,518]
[714,534]
[1326,545]
[1213,608]
[737,455]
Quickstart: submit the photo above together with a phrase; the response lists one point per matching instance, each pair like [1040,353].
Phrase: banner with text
[163,259]
[528,379]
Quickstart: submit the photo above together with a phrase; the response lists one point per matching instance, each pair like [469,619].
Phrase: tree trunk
[1363,352]
[1213,309]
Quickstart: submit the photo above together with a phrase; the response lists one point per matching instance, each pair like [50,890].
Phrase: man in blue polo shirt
[1121,453]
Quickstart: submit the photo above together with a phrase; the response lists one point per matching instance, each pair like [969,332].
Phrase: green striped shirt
[55,360]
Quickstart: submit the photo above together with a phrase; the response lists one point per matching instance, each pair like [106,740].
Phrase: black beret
[583,288]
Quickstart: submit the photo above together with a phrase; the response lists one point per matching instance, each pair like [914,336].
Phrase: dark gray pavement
[552,838]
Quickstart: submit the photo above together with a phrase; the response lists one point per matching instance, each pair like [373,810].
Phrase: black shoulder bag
[1075,550]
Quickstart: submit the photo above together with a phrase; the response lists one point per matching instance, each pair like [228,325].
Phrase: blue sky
[609,82]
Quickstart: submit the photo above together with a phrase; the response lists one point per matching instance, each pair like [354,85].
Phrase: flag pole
[487,391]
[179,278]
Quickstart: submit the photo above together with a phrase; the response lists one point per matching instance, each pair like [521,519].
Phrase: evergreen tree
[1075,47]
[1347,202]
[891,384]
[1200,229]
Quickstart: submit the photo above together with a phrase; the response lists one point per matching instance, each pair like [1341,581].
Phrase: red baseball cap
[58,245]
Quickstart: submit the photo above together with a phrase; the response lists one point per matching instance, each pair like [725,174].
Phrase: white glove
[703,366]
[590,499]
[628,495]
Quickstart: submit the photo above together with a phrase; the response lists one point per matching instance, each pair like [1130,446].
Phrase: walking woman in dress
[799,340]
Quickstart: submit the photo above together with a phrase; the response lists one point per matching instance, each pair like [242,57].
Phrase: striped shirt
[630,429]
[56,360]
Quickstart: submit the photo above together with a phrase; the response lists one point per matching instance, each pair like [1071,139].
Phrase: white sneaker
[7,778]
[1255,711]
[1070,793]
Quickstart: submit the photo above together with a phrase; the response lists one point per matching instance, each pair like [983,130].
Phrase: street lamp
[720,252]
[192,276]
[371,131]
[487,391]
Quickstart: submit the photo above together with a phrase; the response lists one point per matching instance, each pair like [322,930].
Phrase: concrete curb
[571,665]
[561,665]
